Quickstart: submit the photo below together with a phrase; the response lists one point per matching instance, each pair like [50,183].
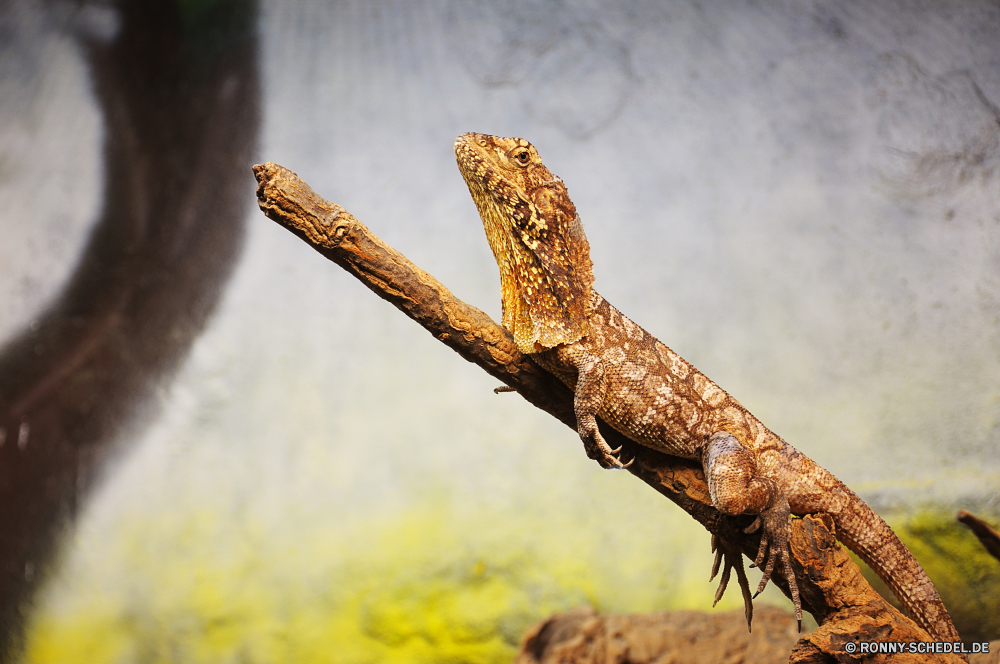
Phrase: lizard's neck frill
[541,316]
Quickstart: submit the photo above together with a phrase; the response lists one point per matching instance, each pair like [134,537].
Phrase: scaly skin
[622,374]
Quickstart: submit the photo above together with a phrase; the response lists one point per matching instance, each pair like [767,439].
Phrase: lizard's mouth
[463,147]
[472,152]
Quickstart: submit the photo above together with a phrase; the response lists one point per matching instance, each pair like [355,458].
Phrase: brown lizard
[622,374]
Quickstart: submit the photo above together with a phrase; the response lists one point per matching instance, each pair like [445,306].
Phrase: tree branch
[989,538]
[832,587]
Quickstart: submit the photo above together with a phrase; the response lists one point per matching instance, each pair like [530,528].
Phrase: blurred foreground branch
[832,586]
[989,538]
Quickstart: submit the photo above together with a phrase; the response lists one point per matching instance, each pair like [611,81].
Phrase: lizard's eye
[522,157]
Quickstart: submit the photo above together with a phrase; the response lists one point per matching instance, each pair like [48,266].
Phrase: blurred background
[216,446]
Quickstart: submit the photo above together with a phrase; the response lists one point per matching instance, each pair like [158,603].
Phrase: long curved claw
[718,556]
[775,547]
[786,563]
[733,558]
[767,570]
[723,583]
[752,528]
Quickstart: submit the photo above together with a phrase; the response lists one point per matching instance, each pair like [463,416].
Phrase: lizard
[637,385]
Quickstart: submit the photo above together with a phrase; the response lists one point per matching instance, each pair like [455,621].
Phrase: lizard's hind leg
[736,488]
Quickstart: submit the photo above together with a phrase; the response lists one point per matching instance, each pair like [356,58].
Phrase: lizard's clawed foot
[597,448]
[733,557]
[774,548]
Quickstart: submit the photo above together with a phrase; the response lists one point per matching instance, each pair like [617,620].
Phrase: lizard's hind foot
[775,547]
[733,558]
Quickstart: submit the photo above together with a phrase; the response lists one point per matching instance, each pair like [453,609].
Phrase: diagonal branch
[832,587]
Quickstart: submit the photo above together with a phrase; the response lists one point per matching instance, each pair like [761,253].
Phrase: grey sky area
[801,202]
[802,199]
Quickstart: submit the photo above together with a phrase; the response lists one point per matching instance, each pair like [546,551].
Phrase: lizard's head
[546,275]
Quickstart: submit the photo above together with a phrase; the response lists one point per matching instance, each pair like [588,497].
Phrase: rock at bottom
[582,636]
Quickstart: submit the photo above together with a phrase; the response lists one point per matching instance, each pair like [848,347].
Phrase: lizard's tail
[865,533]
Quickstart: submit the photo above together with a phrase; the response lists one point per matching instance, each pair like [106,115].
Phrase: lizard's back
[654,396]
[660,400]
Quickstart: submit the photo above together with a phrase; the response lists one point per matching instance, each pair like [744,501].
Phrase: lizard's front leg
[588,399]
[736,488]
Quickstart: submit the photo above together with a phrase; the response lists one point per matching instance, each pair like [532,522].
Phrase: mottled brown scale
[623,375]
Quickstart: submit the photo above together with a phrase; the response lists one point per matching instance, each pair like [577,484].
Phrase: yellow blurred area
[428,584]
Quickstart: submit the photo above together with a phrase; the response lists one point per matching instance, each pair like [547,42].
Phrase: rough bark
[583,636]
[832,586]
